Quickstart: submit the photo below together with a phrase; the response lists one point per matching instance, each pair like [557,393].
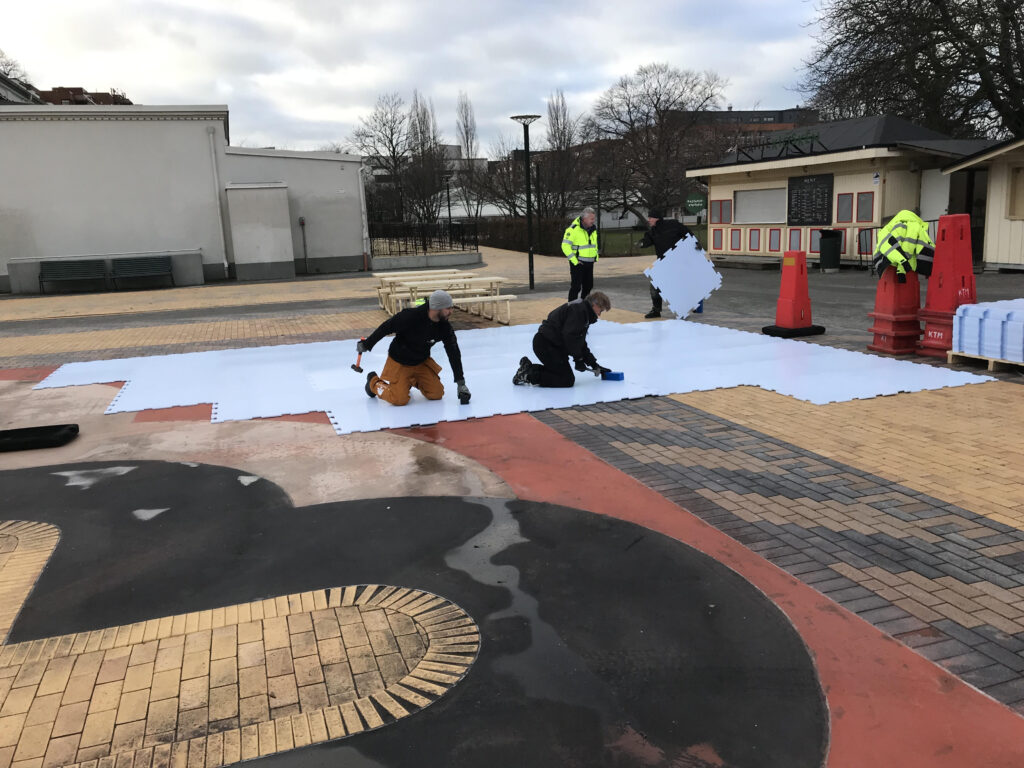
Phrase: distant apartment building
[760,120]
[65,95]
[745,127]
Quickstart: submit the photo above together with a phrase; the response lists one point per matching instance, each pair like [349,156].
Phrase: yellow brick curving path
[219,686]
[24,549]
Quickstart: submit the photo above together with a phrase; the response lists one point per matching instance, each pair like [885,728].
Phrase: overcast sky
[298,74]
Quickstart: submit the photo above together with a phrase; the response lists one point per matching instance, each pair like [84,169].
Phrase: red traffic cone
[896,326]
[793,310]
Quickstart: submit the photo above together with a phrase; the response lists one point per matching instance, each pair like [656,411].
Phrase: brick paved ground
[940,578]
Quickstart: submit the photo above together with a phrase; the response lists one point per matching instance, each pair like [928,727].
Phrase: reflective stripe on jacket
[901,241]
[579,244]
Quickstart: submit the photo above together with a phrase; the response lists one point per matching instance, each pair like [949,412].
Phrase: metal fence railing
[391,238]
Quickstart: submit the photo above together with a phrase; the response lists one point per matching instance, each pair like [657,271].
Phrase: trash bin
[829,250]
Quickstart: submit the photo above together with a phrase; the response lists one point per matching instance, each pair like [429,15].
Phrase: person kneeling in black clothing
[562,335]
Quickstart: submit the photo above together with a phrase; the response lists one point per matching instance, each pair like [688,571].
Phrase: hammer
[359,358]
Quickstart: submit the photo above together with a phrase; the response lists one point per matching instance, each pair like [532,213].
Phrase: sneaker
[522,374]
[370,377]
[653,314]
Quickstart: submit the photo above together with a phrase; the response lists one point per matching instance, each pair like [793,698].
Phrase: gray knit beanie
[440,300]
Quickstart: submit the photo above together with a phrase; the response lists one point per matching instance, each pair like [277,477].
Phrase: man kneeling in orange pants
[409,362]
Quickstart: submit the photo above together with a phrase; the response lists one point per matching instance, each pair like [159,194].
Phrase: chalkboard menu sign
[810,200]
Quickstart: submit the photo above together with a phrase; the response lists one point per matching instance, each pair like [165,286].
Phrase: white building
[104,181]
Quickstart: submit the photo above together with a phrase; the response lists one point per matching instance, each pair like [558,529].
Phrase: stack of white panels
[994,329]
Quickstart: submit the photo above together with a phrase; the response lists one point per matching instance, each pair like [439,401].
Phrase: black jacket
[664,235]
[415,333]
[567,327]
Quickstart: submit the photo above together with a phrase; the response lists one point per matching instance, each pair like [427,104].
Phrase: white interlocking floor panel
[685,277]
[673,356]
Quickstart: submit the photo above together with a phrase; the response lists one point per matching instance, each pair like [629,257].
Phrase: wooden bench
[468,300]
[389,280]
[399,301]
[402,293]
[482,301]
[67,270]
[141,266]
[399,274]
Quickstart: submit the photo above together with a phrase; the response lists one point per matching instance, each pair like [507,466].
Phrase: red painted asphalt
[888,705]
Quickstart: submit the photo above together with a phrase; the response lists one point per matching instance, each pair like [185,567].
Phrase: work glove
[463,391]
[593,366]
[579,365]
[901,277]
[573,260]
[361,346]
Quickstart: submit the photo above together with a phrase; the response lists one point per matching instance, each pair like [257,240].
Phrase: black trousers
[655,299]
[554,369]
[581,279]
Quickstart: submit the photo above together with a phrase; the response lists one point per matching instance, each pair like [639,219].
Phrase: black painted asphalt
[603,644]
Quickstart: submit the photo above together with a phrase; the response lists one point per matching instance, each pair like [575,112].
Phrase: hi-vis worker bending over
[579,244]
[904,243]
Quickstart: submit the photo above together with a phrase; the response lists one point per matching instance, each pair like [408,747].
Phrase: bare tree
[11,68]
[424,177]
[383,139]
[502,186]
[468,174]
[647,131]
[558,180]
[956,66]
[333,146]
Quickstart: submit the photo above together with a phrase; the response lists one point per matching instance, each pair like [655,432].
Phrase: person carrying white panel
[663,235]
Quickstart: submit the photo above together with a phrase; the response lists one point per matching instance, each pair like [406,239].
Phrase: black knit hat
[655,213]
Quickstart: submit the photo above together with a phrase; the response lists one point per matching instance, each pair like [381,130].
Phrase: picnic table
[388,281]
[470,291]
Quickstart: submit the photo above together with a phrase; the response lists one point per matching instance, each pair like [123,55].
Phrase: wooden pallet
[994,363]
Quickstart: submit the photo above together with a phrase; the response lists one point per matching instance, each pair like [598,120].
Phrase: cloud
[300,73]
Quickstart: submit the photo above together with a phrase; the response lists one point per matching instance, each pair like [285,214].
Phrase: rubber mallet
[359,358]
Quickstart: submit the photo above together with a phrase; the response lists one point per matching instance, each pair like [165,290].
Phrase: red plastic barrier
[950,284]
[952,280]
[793,309]
[896,326]
[938,333]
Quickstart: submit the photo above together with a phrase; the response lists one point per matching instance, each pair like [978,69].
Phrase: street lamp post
[448,195]
[526,120]
[599,180]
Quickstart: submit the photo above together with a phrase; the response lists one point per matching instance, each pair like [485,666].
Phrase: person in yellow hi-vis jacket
[904,243]
[579,244]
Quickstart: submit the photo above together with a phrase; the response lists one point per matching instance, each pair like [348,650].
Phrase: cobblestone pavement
[937,576]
